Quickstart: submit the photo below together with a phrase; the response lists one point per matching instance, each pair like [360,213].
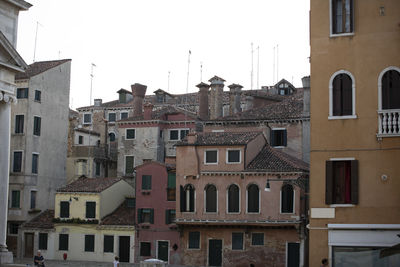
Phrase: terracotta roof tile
[39,67]
[43,221]
[123,215]
[92,185]
[273,160]
[224,138]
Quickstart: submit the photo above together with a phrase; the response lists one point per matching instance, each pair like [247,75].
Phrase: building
[157,235]
[39,128]
[240,201]
[355,138]
[93,220]
[11,63]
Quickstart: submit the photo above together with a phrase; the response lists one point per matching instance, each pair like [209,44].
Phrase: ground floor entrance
[28,248]
[124,248]
[215,252]
[162,250]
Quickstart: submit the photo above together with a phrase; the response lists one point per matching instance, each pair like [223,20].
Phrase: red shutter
[329,182]
[354,182]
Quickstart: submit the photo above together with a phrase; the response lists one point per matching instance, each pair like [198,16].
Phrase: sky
[148,42]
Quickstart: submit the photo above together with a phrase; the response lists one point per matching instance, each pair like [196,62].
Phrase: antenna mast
[91,83]
[34,50]
[169,72]
[273,67]
[187,86]
[277,63]
[258,67]
[201,71]
[251,73]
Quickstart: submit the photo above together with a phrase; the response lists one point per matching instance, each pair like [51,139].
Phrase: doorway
[162,250]
[215,252]
[293,255]
[28,245]
[124,248]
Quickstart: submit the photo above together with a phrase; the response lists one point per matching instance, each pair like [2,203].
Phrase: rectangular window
[13,228]
[89,243]
[90,210]
[17,161]
[257,239]
[64,209]
[146,216]
[43,241]
[35,162]
[15,199]
[98,169]
[342,14]
[33,199]
[63,242]
[37,121]
[22,93]
[233,156]
[80,140]
[146,182]
[169,216]
[130,134]
[171,187]
[111,117]
[211,157]
[173,135]
[38,96]
[108,243]
[129,162]
[130,202]
[237,241]
[194,240]
[278,137]
[145,249]
[19,124]
[183,133]
[341,182]
[124,115]
[87,118]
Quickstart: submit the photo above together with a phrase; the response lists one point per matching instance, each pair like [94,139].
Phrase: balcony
[388,123]
[104,152]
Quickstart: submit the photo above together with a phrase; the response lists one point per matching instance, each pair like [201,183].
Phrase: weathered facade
[355,85]
[240,201]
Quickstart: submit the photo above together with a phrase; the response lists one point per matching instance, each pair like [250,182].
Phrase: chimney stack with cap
[148,109]
[203,100]
[138,92]
[216,97]
[234,98]
[306,95]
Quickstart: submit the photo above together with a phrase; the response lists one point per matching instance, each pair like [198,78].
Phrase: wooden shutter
[139,215]
[354,182]
[284,136]
[329,182]
[272,140]
[167,220]
[191,202]
[152,216]
[333,16]
[347,95]
[336,96]
[182,199]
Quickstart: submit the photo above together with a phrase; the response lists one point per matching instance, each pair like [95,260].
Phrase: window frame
[171,189]
[227,156]
[88,212]
[198,242]
[37,125]
[168,216]
[353,84]
[148,182]
[294,200]
[20,131]
[133,164]
[284,137]
[83,118]
[227,200]
[243,239]
[205,156]
[380,77]
[179,130]
[97,168]
[38,93]
[62,213]
[87,240]
[104,244]
[65,245]
[247,199]
[126,133]
[331,33]
[205,199]
[123,112]
[25,96]
[183,197]
[140,249]
[41,241]
[140,215]
[115,117]
[21,163]
[256,245]
[32,207]
[15,199]
[37,163]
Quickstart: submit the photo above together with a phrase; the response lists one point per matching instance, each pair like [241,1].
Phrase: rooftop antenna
[258,67]
[34,50]
[169,73]
[59,54]
[91,83]
[273,67]
[277,63]
[187,86]
[251,73]
[201,71]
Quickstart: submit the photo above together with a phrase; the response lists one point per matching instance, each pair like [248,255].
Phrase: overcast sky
[141,41]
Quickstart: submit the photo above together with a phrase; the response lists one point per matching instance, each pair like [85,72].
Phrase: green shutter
[167,217]
[129,165]
[151,216]
[139,219]
[171,180]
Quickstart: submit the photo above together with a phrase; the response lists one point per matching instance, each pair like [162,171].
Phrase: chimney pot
[191,137]
[216,97]
[203,100]
[138,92]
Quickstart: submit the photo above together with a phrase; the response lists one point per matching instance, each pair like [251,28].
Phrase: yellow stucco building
[355,132]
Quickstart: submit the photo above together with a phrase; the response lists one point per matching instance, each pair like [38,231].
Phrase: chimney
[249,102]
[203,100]
[216,97]
[191,137]
[148,109]
[234,98]
[138,92]
[306,95]
[98,102]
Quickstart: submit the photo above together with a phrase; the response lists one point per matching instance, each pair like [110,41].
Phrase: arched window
[391,89]
[187,198]
[342,94]
[211,198]
[287,199]
[253,198]
[233,198]
[112,137]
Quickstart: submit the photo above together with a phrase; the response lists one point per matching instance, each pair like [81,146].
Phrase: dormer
[125,96]
[284,87]
[162,96]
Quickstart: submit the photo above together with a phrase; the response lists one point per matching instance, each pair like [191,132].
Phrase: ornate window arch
[210,198]
[287,199]
[253,198]
[389,88]
[342,95]
[187,198]
[233,198]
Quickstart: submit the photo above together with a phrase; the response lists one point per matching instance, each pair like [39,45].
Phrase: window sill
[146,192]
[34,210]
[233,162]
[342,205]
[210,163]
[18,134]
[333,35]
[342,117]
[278,146]
[233,213]
[144,225]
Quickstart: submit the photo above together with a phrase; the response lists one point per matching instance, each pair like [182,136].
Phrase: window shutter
[354,182]
[151,216]
[182,199]
[272,141]
[191,202]
[351,16]
[139,215]
[336,96]
[284,137]
[347,95]
[167,217]
[329,182]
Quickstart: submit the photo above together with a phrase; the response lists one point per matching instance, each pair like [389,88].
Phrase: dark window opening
[98,169]
[90,210]
[22,93]
[211,156]
[187,198]
[33,200]
[13,228]
[38,95]
[80,140]
[237,241]
[257,239]
[253,198]
[233,198]
[174,135]
[17,162]
[342,95]
[233,156]
[145,249]
[279,137]
[342,182]
[146,216]
[342,16]
[111,117]
[43,241]
[64,209]
[194,240]
[124,115]
[130,134]
[19,124]
[108,243]
[112,137]
[15,199]
[89,243]
[35,163]
[391,90]
[63,242]
[87,118]
[211,198]
[37,121]
[169,216]
[171,187]
[287,199]
[146,182]
[129,165]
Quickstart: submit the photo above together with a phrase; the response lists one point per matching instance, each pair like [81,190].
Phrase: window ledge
[146,192]
[233,162]
[278,146]
[233,213]
[342,205]
[333,35]
[342,117]
[144,225]
[34,210]
[210,163]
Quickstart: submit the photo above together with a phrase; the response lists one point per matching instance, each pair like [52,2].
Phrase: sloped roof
[90,185]
[222,138]
[43,221]
[39,67]
[159,114]
[123,215]
[21,4]
[273,160]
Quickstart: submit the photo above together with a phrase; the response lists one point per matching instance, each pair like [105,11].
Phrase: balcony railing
[388,123]
[99,152]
